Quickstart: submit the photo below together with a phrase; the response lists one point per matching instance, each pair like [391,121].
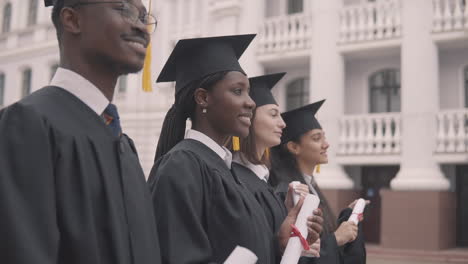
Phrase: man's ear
[70,20]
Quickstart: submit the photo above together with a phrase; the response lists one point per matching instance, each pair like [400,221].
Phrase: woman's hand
[301,189]
[346,233]
[285,229]
[314,250]
[314,226]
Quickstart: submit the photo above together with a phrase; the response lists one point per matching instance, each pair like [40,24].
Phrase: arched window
[297,93]
[385,92]
[2,88]
[26,82]
[6,23]
[32,12]
[295,6]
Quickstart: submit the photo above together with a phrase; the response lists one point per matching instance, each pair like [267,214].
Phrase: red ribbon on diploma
[296,233]
[359,216]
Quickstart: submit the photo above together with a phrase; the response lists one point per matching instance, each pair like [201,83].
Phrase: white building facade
[394,73]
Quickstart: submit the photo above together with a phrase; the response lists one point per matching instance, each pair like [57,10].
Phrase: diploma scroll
[241,255]
[357,211]
[294,247]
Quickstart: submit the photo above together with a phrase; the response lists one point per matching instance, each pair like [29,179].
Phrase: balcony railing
[452,131]
[450,15]
[371,21]
[370,134]
[285,33]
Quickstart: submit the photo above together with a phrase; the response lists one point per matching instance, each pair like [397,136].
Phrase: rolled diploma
[296,196]
[294,248]
[358,209]
[241,255]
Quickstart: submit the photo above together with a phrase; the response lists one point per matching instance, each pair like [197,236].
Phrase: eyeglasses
[129,12]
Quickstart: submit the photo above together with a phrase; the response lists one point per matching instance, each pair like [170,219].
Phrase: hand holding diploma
[305,222]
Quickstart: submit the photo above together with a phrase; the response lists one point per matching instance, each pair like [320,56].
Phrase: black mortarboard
[300,121]
[193,59]
[260,88]
[49,2]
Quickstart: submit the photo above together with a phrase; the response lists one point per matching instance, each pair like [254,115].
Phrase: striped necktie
[112,120]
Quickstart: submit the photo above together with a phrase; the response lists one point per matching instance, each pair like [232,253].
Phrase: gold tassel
[317,168]
[235,143]
[147,85]
[267,153]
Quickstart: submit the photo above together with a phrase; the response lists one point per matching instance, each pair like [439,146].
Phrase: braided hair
[173,128]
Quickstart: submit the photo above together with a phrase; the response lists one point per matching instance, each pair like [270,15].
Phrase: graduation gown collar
[221,151]
[260,170]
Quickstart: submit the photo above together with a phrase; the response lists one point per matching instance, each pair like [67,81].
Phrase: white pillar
[327,82]
[252,16]
[420,103]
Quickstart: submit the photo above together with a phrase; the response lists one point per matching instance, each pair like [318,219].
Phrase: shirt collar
[87,92]
[260,170]
[308,179]
[222,152]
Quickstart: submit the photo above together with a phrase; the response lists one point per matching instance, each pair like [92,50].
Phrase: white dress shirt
[260,170]
[75,84]
[308,180]
[222,152]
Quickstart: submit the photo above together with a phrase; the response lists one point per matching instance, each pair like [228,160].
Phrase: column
[327,82]
[419,212]
[420,101]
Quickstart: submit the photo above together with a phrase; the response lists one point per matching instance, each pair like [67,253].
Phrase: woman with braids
[251,161]
[202,210]
[303,147]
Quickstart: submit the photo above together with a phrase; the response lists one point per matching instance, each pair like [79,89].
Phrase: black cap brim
[49,2]
[193,59]
[260,88]
[300,120]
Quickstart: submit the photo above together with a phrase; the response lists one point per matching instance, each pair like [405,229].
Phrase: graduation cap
[300,121]
[50,2]
[260,88]
[193,59]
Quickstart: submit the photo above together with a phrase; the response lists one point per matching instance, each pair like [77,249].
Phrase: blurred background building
[394,73]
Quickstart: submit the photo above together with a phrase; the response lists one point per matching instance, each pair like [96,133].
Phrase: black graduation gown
[70,191]
[202,210]
[330,253]
[272,205]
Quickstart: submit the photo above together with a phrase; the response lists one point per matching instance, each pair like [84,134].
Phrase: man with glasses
[71,187]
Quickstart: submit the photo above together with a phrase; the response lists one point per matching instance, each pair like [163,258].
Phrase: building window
[2,88]
[53,69]
[32,12]
[295,6]
[385,92]
[297,93]
[6,18]
[122,84]
[466,86]
[26,85]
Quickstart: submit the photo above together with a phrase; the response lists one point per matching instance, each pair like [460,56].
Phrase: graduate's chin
[132,68]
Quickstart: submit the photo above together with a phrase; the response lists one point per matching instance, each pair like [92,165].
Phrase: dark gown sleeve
[28,225]
[353,252]
[177,186]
